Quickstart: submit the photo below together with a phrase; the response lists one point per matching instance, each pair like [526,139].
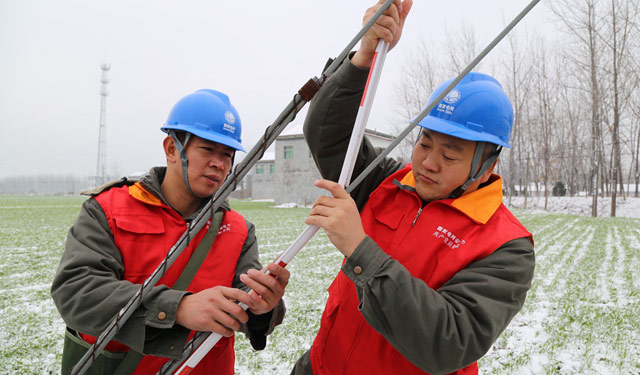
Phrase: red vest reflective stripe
[144,229]
[448,240]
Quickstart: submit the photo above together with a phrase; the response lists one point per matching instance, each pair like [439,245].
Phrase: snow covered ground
[629,207]
[582,314]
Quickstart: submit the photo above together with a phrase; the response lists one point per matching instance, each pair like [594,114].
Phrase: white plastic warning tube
[354,145]
[271,133]
[363,112]
[345,175]
[309,231]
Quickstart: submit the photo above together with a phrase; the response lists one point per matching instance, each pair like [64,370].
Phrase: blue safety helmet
[477,109]
[207,114]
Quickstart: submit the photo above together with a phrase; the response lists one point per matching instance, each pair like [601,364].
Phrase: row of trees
[575,94]
[44,185]
[52,184]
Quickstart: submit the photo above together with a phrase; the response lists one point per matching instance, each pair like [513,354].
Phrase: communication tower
[101,165]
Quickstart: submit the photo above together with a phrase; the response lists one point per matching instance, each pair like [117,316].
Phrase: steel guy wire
[207,343]
[304,95]
[310,230]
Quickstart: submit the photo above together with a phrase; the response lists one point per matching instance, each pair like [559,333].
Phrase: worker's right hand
[339,217]
[214,310]
[388,27]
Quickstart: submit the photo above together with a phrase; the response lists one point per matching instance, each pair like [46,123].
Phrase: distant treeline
[44,185]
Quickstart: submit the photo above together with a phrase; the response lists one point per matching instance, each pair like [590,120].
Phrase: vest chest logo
[449,239]
[224,228]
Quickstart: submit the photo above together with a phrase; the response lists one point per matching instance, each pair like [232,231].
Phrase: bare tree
[460,47]
[518,66]
[576,100]
[579,20]
[543,89]
[421,73]
[636,155]
[570,148]
[621,30]
[635,143]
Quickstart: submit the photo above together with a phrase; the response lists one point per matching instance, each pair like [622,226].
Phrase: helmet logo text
[448,109]
[229,128]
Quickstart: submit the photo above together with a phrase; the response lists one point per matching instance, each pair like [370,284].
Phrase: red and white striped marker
[345,175]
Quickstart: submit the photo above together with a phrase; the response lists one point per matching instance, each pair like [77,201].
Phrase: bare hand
[338,216]
[388,27]
[267,289]
[214,310]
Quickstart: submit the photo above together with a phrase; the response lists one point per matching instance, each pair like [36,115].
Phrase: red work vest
[144,229]
[446,236]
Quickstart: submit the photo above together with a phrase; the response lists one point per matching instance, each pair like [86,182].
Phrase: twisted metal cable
[299,100]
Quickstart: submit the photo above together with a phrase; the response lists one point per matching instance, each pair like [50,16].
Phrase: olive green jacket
[469,312]
[88,289]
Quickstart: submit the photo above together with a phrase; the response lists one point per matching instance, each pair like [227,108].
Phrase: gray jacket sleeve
[328,127]
[453,326]
[449,328]
[88,290]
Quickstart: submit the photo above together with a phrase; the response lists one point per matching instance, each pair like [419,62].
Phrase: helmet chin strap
[182,149]
[477,156]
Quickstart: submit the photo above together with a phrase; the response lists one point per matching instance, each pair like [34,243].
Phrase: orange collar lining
[140,193]
[479,205]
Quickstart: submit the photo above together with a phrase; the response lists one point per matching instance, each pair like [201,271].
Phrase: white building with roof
[287,171]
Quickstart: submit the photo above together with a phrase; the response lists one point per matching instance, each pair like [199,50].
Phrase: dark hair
[181,135]
[489,150]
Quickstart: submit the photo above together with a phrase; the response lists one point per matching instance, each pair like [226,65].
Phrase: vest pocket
[388,211]
[140,223]
[138,237]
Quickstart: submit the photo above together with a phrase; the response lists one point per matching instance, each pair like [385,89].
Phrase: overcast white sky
[258,52]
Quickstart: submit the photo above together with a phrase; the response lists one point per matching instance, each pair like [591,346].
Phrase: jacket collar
[479,205]
[148,190]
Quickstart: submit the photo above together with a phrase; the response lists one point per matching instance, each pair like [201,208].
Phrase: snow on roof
[294,128]
[269,155]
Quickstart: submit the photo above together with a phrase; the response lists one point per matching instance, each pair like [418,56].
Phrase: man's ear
[170,150]
[485,176]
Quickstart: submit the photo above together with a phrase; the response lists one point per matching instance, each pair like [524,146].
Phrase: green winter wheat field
[582,315]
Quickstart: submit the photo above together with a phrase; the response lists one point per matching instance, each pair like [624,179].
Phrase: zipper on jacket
[417,215]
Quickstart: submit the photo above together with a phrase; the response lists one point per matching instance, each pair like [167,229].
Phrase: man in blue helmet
[125,230]
[435,265]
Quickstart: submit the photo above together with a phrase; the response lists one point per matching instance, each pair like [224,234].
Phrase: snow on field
[582,306]
[582,314]
[629,207]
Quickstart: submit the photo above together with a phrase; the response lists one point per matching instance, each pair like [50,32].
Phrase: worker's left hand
[338,216]
[388,27]
[267,289]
